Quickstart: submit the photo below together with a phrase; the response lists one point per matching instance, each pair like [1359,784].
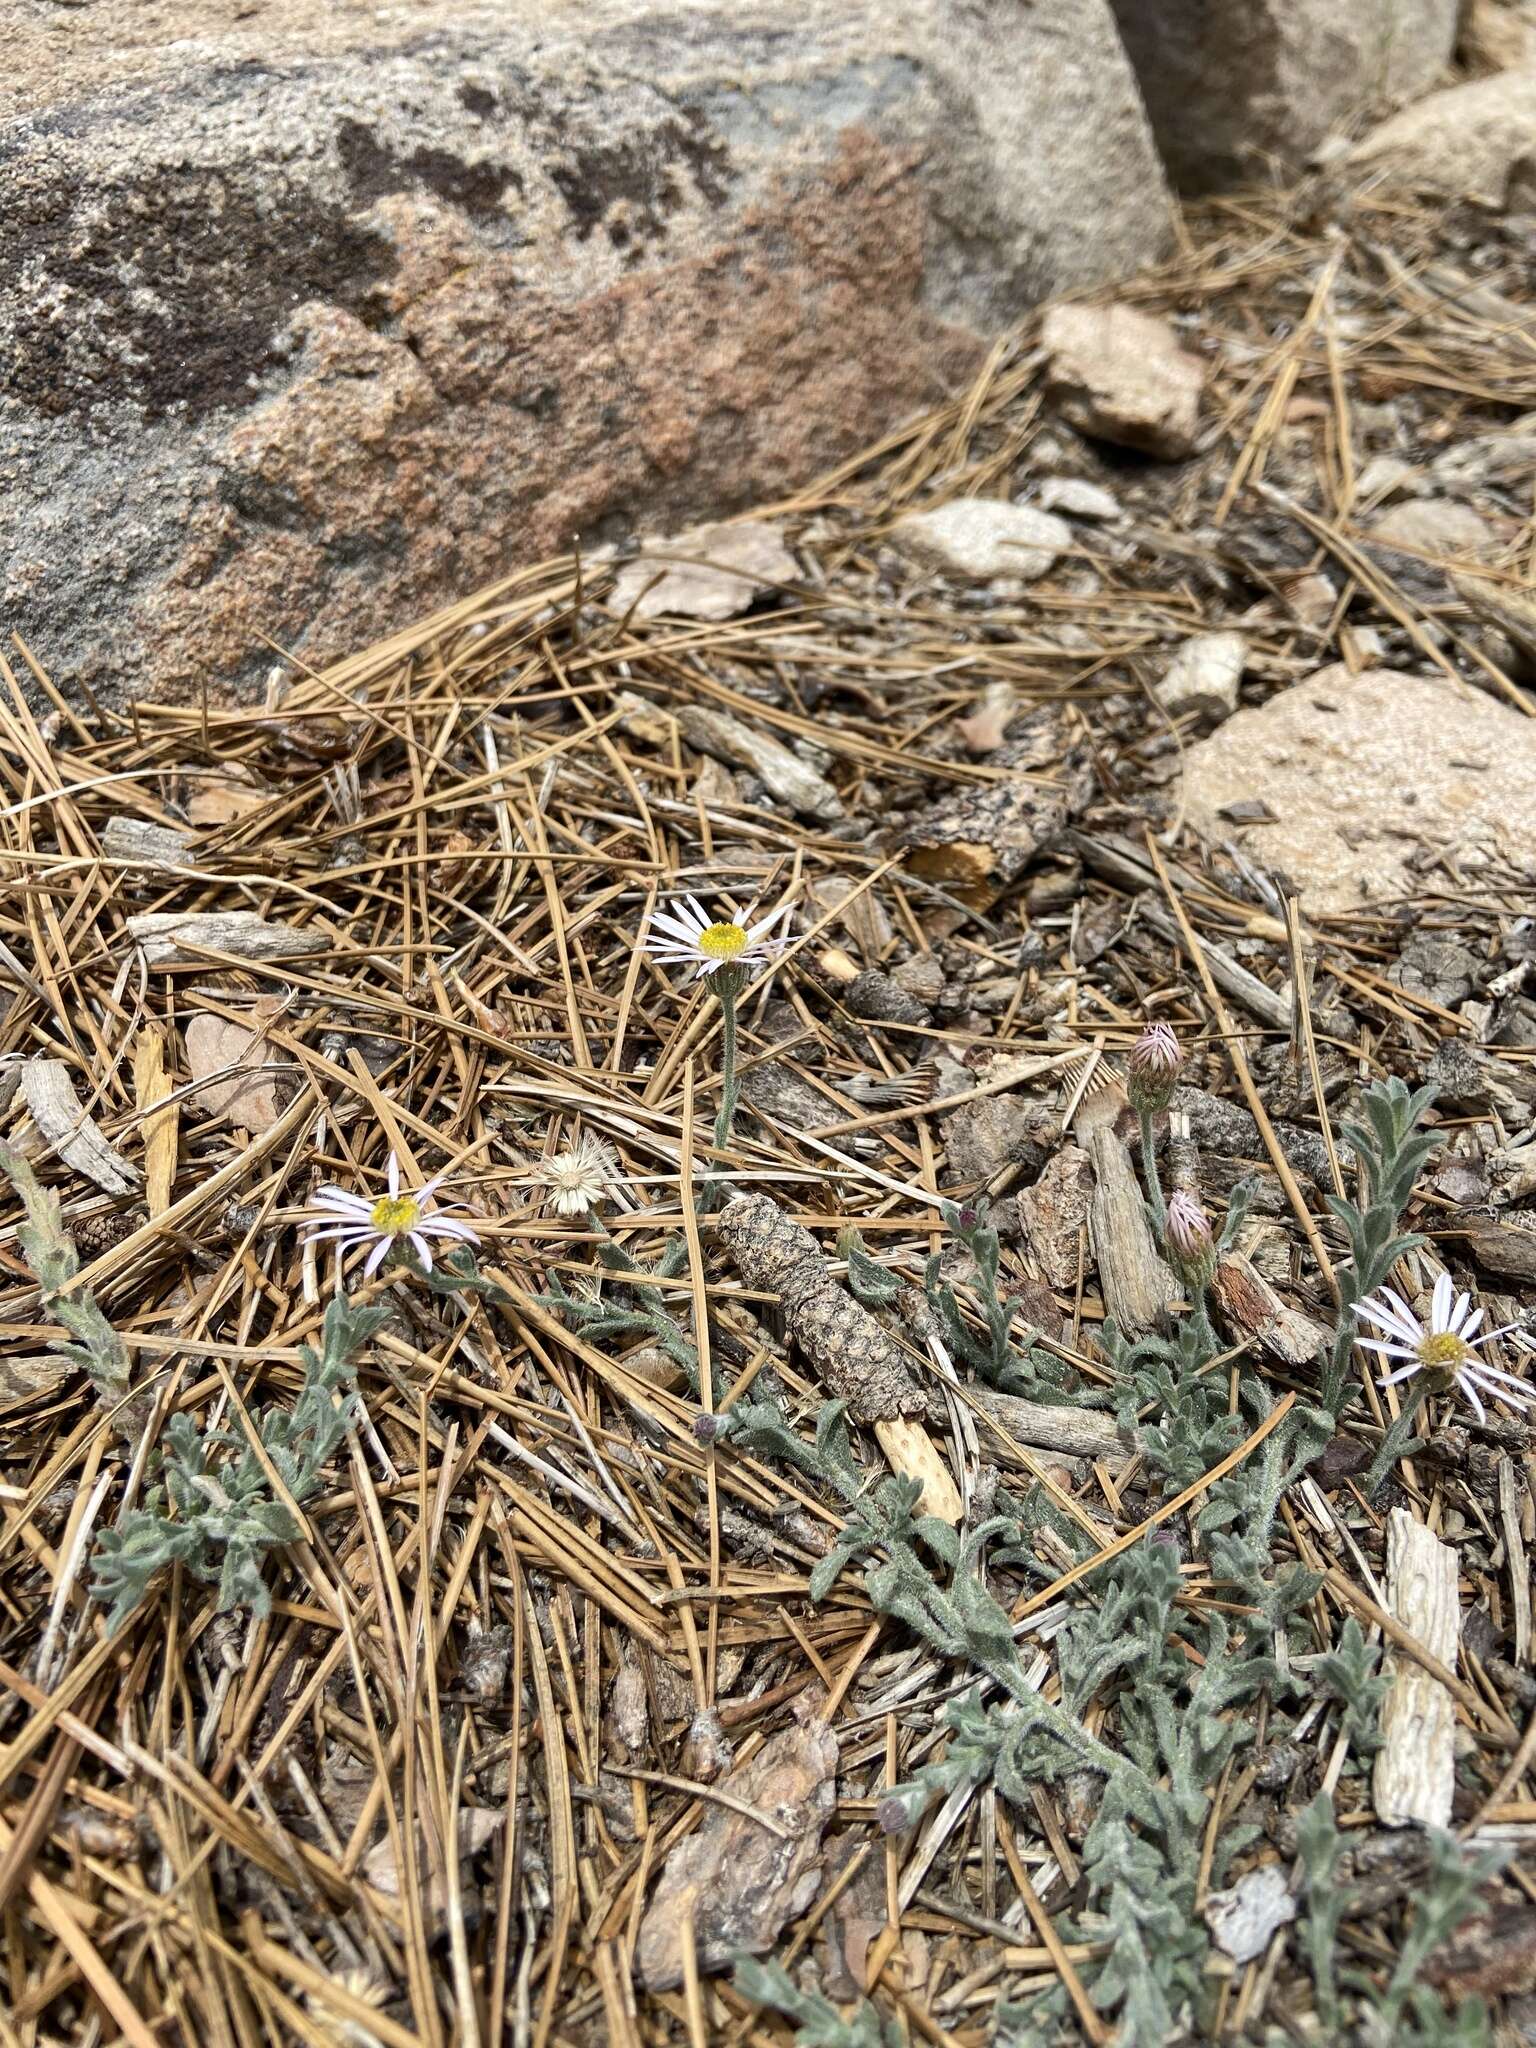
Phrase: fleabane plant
[215,1510]
[50,1253]
[1175,1677]
[400,1220]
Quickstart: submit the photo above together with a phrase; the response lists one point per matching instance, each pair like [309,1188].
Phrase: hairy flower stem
[1399,1434]
[1155,1200]
[726,990]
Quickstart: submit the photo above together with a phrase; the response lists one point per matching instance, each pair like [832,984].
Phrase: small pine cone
[858,1360]
[99,1232]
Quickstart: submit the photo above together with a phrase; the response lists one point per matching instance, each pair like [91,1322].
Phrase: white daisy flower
[688,936]
[349,1220]
[1447,1350]
[579,1179]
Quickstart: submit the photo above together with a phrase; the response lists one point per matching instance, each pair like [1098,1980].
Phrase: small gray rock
[1202,679]
[1433,526]
[1385,476]
[983,539]
[1078,498]
[1243,1918]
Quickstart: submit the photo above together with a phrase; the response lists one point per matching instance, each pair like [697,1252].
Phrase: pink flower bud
[1153,1067]
[1191,1247]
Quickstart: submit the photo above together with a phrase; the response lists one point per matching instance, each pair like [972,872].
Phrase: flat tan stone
[1362,771]
[982,539]
[1474,141]
[712,572]
[1121,375]
[1433,526]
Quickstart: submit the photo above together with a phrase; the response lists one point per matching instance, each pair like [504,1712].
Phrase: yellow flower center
[1443,1352]
[722,941]
[393,1215]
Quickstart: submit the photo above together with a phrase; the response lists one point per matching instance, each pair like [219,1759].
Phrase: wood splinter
[858,1361]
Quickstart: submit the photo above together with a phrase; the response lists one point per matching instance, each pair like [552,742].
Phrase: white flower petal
[1490,1376]
[1492,1336]
[423,1249]
[1470,1392]
[1396,1302]
[674,928]
[1403,1372]
[449,1227]
[1459,1315]
[377,1256]
[1440,1304]
[1400,1326]
[764,925]
[1464,1330]
[1388,1350]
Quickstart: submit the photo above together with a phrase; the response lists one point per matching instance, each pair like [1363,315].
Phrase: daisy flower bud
[901,1809]
[1191,1246]
[1153,1068]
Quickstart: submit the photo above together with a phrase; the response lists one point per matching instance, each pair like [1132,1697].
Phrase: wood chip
[1138,1288]
[1513,1488]
[1076,1432]
[782,773]
[62,1121]
[156,848]
[32,1377]
[1054,1212]
[233,1061]
[1415,1775]
[168,936]
[151,1085]
[1500,1248]
[736,1881]
[1247,1307]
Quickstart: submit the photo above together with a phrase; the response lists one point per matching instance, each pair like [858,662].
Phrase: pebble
[739,562]
[1202,679]
[1078,498]
[1432,526]
[1121,375]
[983,539]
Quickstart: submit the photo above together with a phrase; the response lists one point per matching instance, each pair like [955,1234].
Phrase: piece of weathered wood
[1138,1288]
[171,935]
[1512,1489]
[1415,1773]
[1248,1307]
[1229,975]
[63,1122]
[793,781]
[1501,1248]
[157,848]
[1076,1432]
[151,1087]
